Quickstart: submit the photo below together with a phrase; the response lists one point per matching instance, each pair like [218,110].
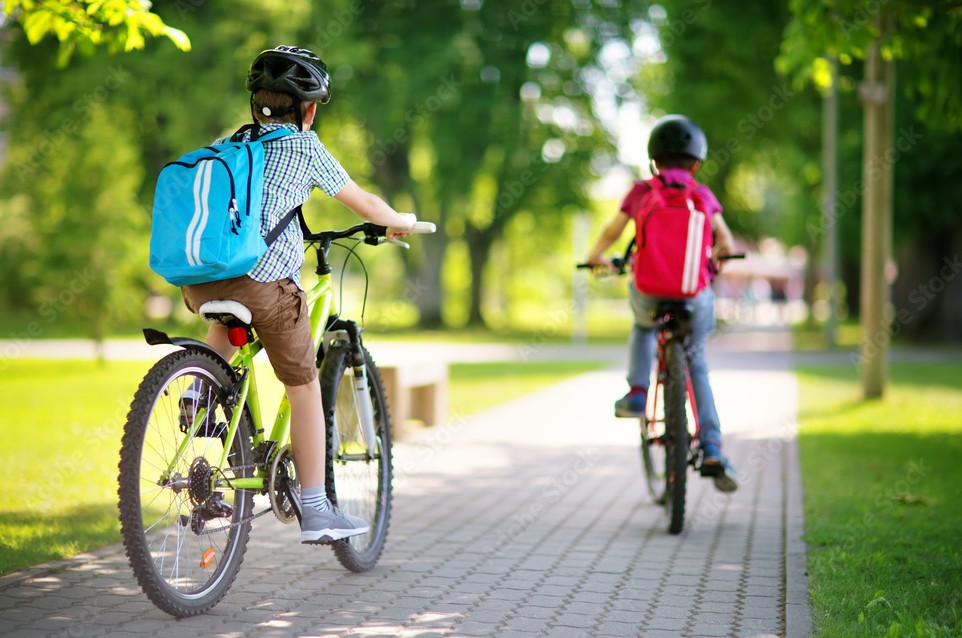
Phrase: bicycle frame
[664,335]
[321,309]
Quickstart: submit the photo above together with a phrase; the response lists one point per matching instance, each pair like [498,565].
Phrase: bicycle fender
[157,338]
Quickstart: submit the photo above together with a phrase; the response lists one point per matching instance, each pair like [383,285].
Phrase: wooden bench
[416,390]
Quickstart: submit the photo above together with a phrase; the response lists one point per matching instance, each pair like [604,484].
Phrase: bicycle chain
[246,519]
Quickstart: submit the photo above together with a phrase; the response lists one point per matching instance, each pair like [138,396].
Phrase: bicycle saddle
[680,309]
[225,312]
[676,315]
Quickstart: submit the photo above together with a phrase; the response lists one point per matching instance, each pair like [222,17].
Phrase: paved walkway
[529,519]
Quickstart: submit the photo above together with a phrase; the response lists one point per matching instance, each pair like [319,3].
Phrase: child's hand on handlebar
[601,264]
[396,232]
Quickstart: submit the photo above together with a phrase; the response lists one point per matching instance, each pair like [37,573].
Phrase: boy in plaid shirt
[286,84]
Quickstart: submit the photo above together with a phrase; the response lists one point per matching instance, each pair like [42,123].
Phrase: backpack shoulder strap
[283,224]
[257,135]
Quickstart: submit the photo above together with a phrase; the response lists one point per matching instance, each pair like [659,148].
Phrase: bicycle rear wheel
[676,438]
[359,483]
[184,530]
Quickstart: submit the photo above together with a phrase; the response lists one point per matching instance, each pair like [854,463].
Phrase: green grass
[61,440]
[882,501]
[61,431]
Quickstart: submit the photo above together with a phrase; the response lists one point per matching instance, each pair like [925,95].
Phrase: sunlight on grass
[62,426]
[881,480]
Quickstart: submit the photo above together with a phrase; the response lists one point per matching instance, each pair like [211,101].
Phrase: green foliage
[480,113]
[927,34]
[881,482]
[120,25]
[763,133]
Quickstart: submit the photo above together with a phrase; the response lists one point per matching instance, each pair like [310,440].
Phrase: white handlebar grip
[424,228]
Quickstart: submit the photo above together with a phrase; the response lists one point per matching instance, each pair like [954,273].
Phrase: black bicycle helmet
[676,135]
[296,72]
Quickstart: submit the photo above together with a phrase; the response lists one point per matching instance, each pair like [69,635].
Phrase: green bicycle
[194,452]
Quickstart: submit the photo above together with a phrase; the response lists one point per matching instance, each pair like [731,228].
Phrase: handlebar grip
[424,228]
[732,256]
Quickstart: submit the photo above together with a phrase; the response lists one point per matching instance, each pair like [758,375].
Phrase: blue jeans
[642,349]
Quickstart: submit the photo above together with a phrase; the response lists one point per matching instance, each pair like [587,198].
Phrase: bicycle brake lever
[398,243]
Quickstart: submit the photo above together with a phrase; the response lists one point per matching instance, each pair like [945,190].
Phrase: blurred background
[516,126]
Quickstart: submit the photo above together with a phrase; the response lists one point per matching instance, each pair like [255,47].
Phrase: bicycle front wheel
[184,529]
[358,478]
[676,436]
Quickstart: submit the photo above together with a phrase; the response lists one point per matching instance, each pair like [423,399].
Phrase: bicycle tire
[185,556]
[653,461]
[676,436]
[356,484]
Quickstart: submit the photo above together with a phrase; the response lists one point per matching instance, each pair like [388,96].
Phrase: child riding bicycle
[677,147]
[286,85]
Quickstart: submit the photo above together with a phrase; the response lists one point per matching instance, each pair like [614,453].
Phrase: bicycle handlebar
[372,232]
[621,264]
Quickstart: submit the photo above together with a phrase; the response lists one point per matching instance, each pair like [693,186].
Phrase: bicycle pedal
[711,470]
[324,540]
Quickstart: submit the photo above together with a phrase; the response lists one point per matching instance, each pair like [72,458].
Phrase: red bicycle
[669,431]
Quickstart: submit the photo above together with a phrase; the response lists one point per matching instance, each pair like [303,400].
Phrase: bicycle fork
[362,388]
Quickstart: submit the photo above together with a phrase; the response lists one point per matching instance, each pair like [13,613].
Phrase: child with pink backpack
[679,232]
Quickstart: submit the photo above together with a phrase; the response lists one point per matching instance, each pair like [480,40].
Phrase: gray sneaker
[332,525]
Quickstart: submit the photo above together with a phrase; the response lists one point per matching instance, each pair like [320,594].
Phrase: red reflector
[237,336]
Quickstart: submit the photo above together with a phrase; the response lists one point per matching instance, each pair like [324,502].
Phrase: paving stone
[469,555]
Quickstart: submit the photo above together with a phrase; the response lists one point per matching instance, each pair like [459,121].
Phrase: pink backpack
[673,241]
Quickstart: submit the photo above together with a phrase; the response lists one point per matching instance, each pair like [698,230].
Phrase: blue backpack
[206,218]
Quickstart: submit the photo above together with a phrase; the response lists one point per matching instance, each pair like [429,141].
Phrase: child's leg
[703,325]
[307,433]
[641,341]
[217,338]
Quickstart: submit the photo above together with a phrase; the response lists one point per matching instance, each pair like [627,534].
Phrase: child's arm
[372,208]
[612,231]
[724,241]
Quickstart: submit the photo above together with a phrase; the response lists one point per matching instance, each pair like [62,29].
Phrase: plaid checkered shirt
[294,166]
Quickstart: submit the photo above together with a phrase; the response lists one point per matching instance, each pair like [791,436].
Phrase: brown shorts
[279,315]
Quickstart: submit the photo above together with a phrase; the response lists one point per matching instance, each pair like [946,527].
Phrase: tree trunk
[479,247]
[876,93]
[425,289]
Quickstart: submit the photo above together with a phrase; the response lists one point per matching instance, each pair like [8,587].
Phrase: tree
[880,34]
[119,25]
[466,129]
[90,139]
